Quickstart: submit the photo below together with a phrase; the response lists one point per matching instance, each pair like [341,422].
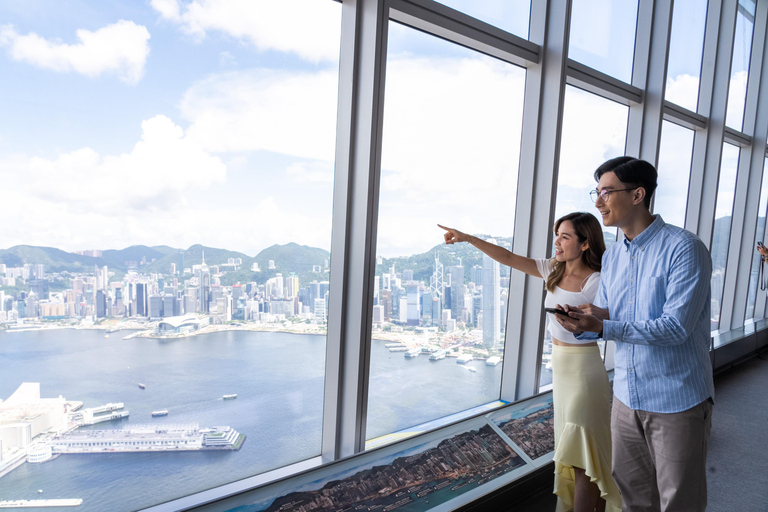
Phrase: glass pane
[761,213]
[742,49]
[603,35]
[674,169]
[686,46]
[594,130]
[450,152]
[176,173]
[510,15]
[722,231]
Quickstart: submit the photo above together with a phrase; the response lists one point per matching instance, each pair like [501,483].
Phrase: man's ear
[638,195]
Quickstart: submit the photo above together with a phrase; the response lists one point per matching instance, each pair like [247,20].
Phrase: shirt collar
[647,235]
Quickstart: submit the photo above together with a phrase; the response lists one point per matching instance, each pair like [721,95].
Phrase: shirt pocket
[651,297]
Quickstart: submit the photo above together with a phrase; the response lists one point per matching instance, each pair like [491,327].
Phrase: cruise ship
[493,361]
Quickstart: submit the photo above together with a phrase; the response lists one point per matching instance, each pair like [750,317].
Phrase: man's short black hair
[631,171]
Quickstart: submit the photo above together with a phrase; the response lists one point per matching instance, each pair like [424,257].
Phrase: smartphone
[759,244]
[556,311]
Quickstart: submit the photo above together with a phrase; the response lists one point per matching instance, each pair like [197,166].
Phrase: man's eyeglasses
[606,193]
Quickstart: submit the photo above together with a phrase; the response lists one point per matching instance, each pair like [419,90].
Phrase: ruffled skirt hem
[578,449]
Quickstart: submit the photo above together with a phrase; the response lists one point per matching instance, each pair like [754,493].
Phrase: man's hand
[578,321]
[591,309]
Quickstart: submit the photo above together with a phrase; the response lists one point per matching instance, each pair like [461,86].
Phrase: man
[654,302]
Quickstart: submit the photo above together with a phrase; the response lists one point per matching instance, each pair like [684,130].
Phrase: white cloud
[316,171]
[111,198]
[307,28]
[120,48]
[260,109]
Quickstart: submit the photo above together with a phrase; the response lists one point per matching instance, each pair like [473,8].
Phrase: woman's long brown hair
[587,229]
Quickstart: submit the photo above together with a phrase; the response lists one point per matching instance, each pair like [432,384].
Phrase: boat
[492,361]
[142,386]
[413,352]
[398,349]
[230,397]
[471,368]
[436,356]
[164,412]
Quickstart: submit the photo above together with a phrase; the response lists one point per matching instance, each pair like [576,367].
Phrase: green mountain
[291,257]
[134,253]
[423,264]
[55,260]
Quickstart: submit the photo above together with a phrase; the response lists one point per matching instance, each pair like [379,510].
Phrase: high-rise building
[142,299]
[491,301]
[414,296]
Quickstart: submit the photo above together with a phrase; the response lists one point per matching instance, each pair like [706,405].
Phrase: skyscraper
[141,299]
[491,298]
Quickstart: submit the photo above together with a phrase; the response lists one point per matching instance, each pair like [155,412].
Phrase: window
[686,46]
[450,152]
[742,50]
[674,170]
[603,35]
[510,15]
[761,213]
[594,130]
[175,170]
[722,230]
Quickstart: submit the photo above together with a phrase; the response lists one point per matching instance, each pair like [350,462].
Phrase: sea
[279,382]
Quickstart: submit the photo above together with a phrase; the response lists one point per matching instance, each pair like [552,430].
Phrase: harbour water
[278,379]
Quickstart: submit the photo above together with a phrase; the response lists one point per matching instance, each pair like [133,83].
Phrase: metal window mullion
[713,100]
[355,209]
[442,21]
[654,24]
[737,275]
[537,179]
[601,84]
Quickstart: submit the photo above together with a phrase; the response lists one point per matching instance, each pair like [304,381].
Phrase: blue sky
[179,122]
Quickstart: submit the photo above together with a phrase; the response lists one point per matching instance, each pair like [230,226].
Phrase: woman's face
[567,244]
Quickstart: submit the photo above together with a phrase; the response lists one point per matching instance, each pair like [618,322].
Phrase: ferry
[492,361]
[230,397]
[400,348]
[464,358]
[436,356]
[413,352]
[164,412]
[142,386]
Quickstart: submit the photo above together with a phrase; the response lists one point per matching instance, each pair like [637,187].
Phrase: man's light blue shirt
[657,291]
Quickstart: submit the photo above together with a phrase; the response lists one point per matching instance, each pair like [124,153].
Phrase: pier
[41,503]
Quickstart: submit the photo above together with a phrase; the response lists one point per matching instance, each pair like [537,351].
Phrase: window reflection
[742,49]
[510,15]
[686,46]
[603,35]
[674,170]
[722,229]
[759,237]
[451,143]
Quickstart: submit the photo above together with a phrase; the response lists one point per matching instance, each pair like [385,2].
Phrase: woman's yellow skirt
[581,396]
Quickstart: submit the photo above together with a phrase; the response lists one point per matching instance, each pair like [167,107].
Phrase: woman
[580,389]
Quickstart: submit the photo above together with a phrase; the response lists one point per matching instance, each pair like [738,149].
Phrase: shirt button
[630,370]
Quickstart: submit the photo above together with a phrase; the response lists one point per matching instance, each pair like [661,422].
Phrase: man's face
[617,207]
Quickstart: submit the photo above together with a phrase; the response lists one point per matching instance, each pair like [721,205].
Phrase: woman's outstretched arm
[500,254]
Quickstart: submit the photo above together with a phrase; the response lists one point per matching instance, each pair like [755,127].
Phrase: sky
[177,122]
